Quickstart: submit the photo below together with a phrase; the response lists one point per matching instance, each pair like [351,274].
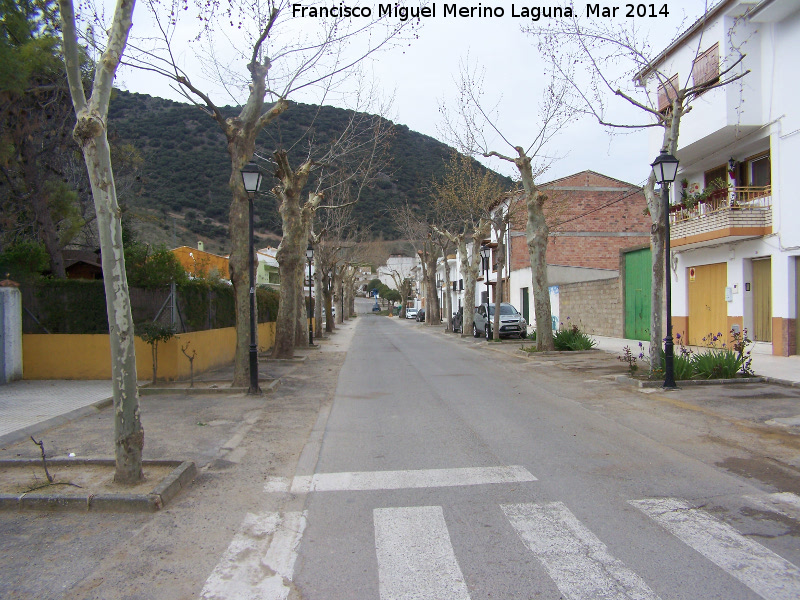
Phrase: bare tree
[465,195]
[606,61]
[281,60]
[91,135]
[401,275]
[418,231]
[344,168]
[501,216]
[467,126]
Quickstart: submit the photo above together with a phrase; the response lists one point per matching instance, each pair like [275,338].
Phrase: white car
[411,313]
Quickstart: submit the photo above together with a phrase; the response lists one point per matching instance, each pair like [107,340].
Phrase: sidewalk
[783,368]
[28,407]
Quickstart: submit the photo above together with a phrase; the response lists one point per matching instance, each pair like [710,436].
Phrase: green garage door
[638,281]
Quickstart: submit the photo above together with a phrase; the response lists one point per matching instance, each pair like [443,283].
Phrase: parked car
[511,321]
[411,313]
[421,315]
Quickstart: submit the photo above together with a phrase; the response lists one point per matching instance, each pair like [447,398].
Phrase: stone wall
[596,306]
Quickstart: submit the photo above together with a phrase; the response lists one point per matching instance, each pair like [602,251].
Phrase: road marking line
[759,568]
[415,555]
[577,561]
[258,560]
[784,503]
[395,480]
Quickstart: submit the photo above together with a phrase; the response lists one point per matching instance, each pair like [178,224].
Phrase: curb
[560,352]
[692,382]
[295,359]
[37,428]
[181,477]
[267,387]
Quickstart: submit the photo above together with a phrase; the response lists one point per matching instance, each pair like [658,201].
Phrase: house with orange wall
[199,263]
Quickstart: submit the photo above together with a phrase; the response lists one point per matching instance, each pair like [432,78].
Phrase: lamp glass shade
[251,178]
[485,251]
[309,253]
[665,167]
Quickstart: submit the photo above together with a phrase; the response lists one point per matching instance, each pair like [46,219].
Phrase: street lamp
[310,258]
[665,167]
[486,253]
[251,178]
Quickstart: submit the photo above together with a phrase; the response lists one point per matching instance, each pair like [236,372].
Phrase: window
[759,171]
[667,93]
[716,174]
[706,66]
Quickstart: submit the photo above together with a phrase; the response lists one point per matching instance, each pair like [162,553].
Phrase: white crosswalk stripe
[415,555]
[783,503]
[760,569]
[576,560]
[395,480]
[260,556]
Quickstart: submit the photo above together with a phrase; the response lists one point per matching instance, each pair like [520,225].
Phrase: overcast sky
[422,74]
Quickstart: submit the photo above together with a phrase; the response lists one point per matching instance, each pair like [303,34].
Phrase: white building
[397,269]
[736,250]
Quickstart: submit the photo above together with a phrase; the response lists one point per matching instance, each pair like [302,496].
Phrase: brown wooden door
[708,311]
[762,300]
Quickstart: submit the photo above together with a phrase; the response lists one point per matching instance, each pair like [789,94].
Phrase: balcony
[727,215]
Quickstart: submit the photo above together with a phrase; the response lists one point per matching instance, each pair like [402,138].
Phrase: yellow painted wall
[88,356]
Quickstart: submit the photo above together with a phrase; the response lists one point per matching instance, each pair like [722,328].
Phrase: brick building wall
[596,306]
[591,218]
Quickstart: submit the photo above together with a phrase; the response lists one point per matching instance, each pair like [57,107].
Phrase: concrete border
[294,359]
[164,491]
[267,387]
[690,382]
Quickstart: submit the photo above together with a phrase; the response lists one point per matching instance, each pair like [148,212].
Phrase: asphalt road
[446,471]
[401,463]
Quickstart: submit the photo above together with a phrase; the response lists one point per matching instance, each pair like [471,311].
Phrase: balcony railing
[729,199]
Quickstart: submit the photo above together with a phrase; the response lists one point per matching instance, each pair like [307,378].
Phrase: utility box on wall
[10,332]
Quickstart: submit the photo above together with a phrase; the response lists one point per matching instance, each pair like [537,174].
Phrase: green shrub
[267,300]
[71,305]
[572,338]
[23,261]
[717,363]
[720,361]
[152,267]
[682,364]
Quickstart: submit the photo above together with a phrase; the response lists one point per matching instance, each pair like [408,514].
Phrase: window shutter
[706,66]
[666,93]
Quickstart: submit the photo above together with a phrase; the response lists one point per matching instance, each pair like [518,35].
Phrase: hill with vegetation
[183,178]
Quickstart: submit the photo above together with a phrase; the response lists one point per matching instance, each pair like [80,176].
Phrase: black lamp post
[251,178]
[310,259]
[665,168]
[486,253]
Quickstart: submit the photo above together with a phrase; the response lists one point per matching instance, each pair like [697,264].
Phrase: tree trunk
[536,235]
[658,239]
[303,307]
[432,314]
[239,262]
[537,232]
[337,293]
[296,226]
[319,301]
[91,135]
